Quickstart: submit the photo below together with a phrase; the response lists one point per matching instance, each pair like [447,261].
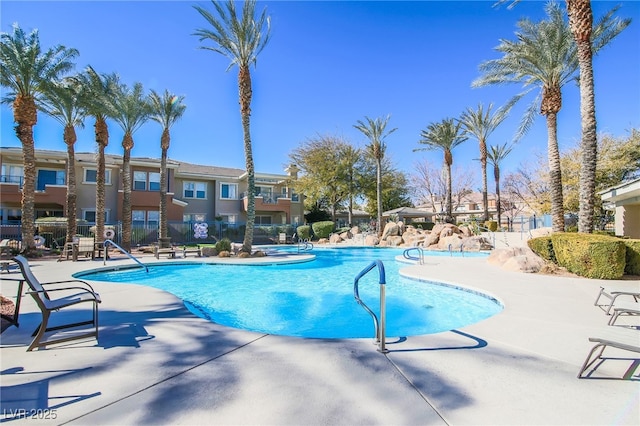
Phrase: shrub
[323,229]
[491,225]
[304,232]
[543,247]
[588,255]
[223,245]
[343,229]
[632,257]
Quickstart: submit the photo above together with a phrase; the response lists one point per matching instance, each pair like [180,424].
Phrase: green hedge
[588,255]
[223,245]
[427,226]
[543,247]
[632,257]
[491,225]
[304,232]
[323,229]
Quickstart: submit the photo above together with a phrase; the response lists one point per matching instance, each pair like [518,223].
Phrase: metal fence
[181,233]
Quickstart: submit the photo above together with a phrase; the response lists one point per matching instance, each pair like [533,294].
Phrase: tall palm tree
[481,124]
[375,131]
[131,111]
[495,156]
[97,94]
[241,39]
[581,25]
[61,101]
[165,109]
[24,70]
[545,57]
[444,136]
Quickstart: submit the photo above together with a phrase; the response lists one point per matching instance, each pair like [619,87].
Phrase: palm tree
[241,39]
[444,136]
[131,111]
[581,25]
[495,156]
[375,131]
[97,93]
[61,101]
[166,110]
[544,56]
[481,124]
[24,70]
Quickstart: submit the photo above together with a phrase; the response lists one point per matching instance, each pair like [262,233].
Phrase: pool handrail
[420,258]
[129,255]
[305,245]
[380,326]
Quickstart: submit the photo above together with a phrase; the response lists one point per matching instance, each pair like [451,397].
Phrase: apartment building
[196,193]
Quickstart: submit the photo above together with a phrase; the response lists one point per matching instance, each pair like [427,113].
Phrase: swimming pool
[312,299]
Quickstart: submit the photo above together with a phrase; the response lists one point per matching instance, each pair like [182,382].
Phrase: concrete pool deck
[157,363]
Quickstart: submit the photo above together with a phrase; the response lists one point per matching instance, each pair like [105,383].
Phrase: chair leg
[588,362]
[40,331]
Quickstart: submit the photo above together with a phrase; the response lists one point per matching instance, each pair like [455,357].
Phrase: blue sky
[328,64]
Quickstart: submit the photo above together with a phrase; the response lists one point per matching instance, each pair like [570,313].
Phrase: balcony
[270,202]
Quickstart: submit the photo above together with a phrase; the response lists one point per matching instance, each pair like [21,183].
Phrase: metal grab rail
[406,254]
[129,255]
[380,326]
[304,245]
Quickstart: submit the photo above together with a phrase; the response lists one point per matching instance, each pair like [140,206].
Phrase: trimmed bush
[427,226]
[323,229]
[588,255]
[632,267]
[223,245]
[491,225]
[304,232]
[543,247]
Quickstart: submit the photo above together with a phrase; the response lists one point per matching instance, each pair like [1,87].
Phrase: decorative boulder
[518,259]
[371,240]
[209,251]
[335,238]
[243,255]
[451,242]
[259,253]
[390,230]
[477,243]
[394,241]
[224,253]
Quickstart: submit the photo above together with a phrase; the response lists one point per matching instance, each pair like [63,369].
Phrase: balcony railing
[12,179]
[271,198]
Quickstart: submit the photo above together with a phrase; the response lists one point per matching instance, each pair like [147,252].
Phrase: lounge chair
[624,308]
[613,292]
[616,337]
[79,292]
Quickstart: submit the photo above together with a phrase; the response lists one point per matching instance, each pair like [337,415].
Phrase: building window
[90,215]
[228,191]
[194,217]
[91,176]
[140,181]
[154,181]
[195,190]
[263,220]
[12,174]
[10,215]
[153,218]
[49,177]
[229,218]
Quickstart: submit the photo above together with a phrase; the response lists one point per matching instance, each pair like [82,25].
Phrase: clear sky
[328,64]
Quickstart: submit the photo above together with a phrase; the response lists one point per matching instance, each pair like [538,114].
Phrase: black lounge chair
[71,295]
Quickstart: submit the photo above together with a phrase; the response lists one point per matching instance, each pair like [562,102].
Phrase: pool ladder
[380,326]
[305,245]
[129,255]
[407,254]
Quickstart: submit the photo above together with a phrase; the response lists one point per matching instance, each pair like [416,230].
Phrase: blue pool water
[313,299]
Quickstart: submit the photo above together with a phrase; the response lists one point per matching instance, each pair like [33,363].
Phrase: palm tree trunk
[581,23]
[555,174]
[496,175]
[25,114]
[449,217]
[127,144]
[379,194]
[163,232]
[483,162]
[70,139]
[102,139]
[244,84]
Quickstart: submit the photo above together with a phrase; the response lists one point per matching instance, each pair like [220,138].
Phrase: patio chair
[613,292]
[616,337]
[624,308]
[79,292]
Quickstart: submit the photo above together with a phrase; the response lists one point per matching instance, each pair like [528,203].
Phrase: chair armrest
[95,295]
[70,281]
